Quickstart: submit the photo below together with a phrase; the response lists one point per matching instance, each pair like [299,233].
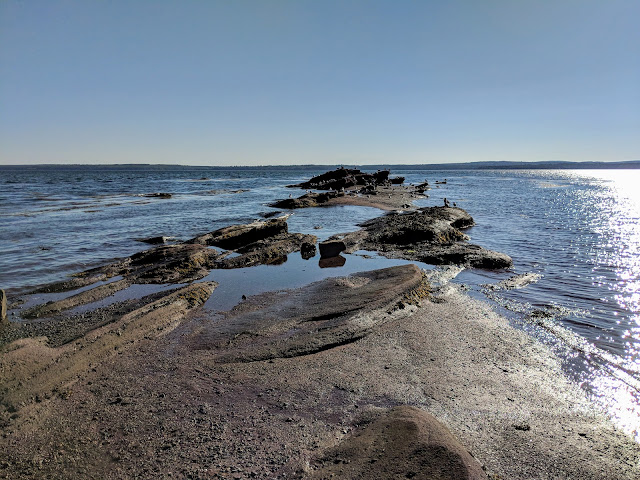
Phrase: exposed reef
[345,178]
[430,235]
[261,242]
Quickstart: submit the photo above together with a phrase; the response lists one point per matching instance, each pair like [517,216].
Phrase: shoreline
[155,386]
[173,404]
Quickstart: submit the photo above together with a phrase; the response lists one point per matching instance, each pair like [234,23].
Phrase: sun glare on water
[620,386]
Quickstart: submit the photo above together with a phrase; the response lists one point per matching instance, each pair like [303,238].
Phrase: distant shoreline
[554,165]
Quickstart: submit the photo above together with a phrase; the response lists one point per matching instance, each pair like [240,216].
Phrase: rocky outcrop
[83,298]
[269,251]
[404,442]
[331,248]
[238,236]
[307,200]
[465,254]
[261,242]
[324,315]
[180,263]
[433,224]
[51,368]
[308,247]
[343,178]
[430,235]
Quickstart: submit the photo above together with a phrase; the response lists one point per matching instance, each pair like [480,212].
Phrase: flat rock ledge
[429,235]
[257,243]
[323,315]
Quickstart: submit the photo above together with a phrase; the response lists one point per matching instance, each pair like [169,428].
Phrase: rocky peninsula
[381,374]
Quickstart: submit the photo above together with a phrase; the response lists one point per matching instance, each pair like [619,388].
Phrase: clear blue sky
[292,82]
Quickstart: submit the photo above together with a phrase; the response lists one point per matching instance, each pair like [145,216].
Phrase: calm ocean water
[580,230]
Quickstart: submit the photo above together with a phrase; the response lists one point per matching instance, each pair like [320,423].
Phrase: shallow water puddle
[295,272]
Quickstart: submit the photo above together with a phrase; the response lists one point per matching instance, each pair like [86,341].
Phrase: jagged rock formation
[430,235]
[343,178]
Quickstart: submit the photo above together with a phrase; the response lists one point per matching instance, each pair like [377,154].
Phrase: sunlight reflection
[618,386]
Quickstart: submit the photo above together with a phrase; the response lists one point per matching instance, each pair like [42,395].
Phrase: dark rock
[155,240]
[331,248]
[168,264]
[238,236]
[430,235]
[269,251]
[158,195]
[80,280]
[270,214]
[404,442]
[307,200]
[465,254]
[397,180]
[3,308]
[343,178]
[434,224]
[308,250]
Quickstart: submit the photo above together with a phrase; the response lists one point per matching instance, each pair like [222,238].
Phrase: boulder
[404,442]
[434,225]
[308,250]
[331,248]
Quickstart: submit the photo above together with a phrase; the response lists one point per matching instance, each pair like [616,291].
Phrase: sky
[324,82]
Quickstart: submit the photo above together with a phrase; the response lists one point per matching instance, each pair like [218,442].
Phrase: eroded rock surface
[430,235]
[309,199]
[261,242]
[237,236]
[343,178]
[320,316]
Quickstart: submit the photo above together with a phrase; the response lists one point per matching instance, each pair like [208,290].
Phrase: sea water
[578,230]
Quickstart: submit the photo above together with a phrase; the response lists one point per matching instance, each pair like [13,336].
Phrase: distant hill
[560,165]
